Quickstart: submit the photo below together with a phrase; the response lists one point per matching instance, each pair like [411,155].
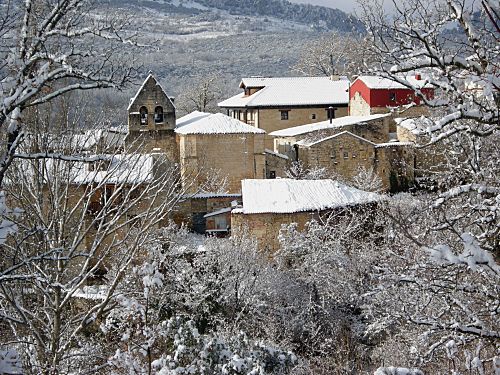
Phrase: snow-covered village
[247,187]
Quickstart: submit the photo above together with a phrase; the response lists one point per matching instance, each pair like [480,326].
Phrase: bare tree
[203,97]
[49,48]
[335,54]
[81,219]
[448,240]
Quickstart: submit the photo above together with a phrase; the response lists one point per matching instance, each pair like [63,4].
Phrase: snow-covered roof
[336,123]
[416,126]
[213,123]
[277,154]
[112,169]
[394,144]
[289,196]
[218,212]
[314,141]
[381,83]
[290,91]
[205,195]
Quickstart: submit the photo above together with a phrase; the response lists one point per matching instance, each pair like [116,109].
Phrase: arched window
[158,114]
[143,111]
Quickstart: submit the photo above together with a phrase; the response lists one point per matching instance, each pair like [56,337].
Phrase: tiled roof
[289,196]
[337,122]
[213,123]
[291,91]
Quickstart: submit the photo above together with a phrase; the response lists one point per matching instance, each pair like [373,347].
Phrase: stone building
[276,164]
[345,154]
[218,145]
[269,204]
[278,103]
[374,128]
[151,121]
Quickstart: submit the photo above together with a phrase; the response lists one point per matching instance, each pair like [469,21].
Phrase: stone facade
[265,227]
[234,156]
[429,160]
[345,154]
[276,164]
[376,131]
[151,121]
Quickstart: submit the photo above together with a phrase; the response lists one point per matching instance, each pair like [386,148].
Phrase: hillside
[315,17]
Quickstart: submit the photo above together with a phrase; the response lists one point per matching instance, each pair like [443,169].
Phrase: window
[392,96]
[333,156]
[158,114]
[272,174]
[143,111]
[346,154]
[313,116]
[284,115]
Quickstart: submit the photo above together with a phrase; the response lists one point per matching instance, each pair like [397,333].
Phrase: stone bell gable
[151,120]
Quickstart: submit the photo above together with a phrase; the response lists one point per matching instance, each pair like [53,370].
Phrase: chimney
[330,114]
[418,76]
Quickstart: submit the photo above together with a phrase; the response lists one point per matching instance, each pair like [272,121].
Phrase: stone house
[345,154]
[282,102]
[215,144]
[269,204]
[374,128]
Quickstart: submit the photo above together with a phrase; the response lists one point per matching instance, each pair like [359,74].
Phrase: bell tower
[151,121]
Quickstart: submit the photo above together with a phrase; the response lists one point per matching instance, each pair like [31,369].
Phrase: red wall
[381,97]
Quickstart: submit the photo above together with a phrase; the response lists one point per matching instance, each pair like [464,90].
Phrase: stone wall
[148,141]
[270,119]
[150,96]
[395,166]
[235,156]
[277,164]
[345,155]
[156,134]
[376,131]
[265,228]
[342,155]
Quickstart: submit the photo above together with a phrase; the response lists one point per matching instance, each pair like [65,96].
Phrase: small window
[284,115]
[392,96]
[272,174]
[333,156]
[143,111]
[346,154]
[313,116]
[158,114]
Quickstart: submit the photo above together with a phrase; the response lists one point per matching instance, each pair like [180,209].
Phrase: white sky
[345,5]
[350,6]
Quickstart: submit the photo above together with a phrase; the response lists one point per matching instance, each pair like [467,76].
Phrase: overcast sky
[347,6]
